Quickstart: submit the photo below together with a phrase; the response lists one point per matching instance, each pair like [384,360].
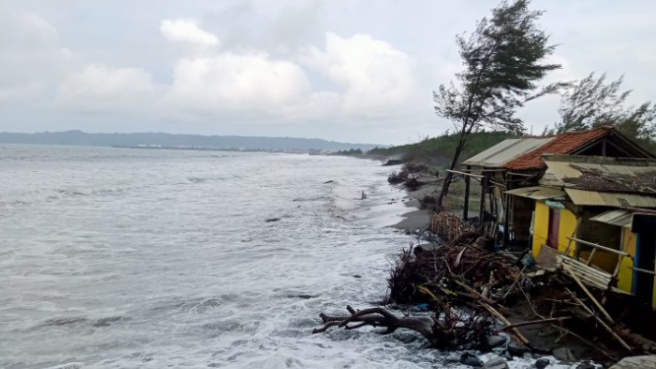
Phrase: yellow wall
[541,228]
[567,226]
[625,278]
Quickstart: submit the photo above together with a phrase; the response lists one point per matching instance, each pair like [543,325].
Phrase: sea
[134,258]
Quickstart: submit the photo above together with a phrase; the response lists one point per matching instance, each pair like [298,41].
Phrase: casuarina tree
[504,59]
[593,102]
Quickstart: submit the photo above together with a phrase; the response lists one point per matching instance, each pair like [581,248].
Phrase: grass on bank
[437,151]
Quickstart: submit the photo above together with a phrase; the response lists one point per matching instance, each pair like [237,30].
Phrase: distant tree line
[350,152]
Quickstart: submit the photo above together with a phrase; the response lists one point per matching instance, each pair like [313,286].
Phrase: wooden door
[554,224]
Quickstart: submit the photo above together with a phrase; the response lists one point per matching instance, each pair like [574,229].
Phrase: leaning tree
[503,60]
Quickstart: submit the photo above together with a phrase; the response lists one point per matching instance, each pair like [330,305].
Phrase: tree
[502,62]
[592,102]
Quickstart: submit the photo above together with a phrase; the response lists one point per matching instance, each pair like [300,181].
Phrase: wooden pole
[506,211]
[465,210]
[505,321]
[534,322]
[481,215]
[603,324]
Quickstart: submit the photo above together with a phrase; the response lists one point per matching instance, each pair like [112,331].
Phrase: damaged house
[517,163]
[597,216]
[586,200]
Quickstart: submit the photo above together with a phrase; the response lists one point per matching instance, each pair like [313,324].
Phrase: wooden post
[506,211]
[465,210]
[481,215]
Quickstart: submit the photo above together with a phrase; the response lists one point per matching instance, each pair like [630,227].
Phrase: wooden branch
[505,321]
[535,322]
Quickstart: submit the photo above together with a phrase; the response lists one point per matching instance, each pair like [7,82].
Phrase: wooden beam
[481,215]
[506,211]
[465,173]
[599,246]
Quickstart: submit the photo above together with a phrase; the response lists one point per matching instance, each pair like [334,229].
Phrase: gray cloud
[358,70]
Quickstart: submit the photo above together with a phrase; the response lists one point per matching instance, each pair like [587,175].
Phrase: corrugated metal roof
[620,218]
[499,154]
[537,192]
[595,198]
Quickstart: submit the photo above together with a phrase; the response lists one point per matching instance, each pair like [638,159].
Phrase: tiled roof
[563,143]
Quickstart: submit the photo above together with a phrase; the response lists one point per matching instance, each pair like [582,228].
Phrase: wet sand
[417,218]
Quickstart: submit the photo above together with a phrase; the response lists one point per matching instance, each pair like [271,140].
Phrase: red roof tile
[564,143]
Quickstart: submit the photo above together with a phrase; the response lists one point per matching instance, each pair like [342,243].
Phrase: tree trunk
[449,175]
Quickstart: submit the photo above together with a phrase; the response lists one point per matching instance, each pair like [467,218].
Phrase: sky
[346,70]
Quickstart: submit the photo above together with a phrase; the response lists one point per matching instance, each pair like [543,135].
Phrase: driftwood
[468,291]
[379,317]
[448,330]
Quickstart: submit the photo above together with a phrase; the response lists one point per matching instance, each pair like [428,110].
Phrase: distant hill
[180,141]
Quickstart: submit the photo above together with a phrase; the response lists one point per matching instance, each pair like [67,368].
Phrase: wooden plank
[578,264]
[644,271]
[589,275]
[465,174]
[587,292]
[547,257]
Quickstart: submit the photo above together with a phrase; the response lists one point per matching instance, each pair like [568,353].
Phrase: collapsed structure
[583,199]
[561,255]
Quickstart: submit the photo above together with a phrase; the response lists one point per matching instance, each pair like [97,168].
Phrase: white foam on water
[117,258]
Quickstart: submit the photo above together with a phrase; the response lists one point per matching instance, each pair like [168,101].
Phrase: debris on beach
[472,297]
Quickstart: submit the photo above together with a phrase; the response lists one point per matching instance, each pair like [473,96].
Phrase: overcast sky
[346,70]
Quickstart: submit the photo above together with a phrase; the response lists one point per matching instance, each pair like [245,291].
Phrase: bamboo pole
[505,321]
[534,322]
[587,292]
[603,324]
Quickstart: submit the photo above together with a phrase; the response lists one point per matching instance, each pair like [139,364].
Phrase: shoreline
[417,218]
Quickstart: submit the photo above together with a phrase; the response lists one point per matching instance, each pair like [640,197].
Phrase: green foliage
[592,102]
[503,61]
[439,150]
